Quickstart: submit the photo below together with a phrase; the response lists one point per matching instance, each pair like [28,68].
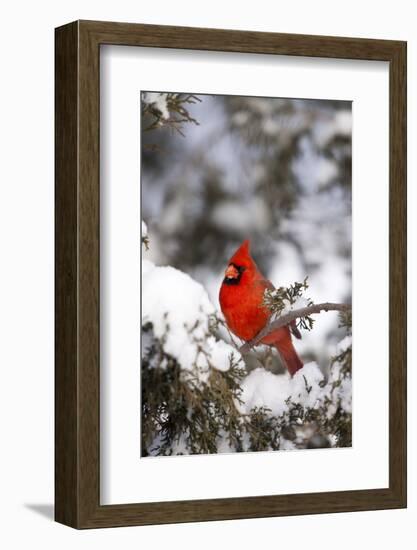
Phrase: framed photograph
[230,274]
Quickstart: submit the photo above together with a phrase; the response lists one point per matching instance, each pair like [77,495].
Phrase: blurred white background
[27,118]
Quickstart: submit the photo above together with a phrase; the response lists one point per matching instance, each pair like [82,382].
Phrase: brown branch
[291,316]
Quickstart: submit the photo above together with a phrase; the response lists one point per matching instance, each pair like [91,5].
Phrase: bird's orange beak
[231,272]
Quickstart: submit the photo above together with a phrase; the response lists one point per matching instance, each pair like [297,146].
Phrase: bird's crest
[242,255]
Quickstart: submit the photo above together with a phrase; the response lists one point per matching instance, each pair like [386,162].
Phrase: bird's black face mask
[233,274]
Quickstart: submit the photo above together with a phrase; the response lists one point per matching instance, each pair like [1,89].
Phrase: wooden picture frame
[77,375]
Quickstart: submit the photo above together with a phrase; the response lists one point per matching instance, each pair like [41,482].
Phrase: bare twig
[291,316]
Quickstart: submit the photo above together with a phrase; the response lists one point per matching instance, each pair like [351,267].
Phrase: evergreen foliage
[182,414]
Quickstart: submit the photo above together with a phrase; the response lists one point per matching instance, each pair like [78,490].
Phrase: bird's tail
[289,356]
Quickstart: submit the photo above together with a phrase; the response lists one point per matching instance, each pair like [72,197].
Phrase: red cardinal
[241,301]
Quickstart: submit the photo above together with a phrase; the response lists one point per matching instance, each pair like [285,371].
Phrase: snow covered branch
[291,316]
[198,397]
[167,110]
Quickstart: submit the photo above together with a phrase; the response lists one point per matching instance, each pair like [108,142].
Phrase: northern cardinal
[241,301]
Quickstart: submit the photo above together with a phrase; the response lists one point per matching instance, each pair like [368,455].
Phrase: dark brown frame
[77,274]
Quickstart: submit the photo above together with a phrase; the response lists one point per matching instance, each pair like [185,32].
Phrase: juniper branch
[291,316]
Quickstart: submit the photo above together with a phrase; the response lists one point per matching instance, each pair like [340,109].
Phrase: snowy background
[276,171]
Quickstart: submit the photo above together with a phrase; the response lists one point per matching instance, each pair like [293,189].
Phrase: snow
[343,344]
[144,230]
[262,388]
[339,124]
[271,126]
[299,303]
[179,309]
[344,390]
[314,171]
[326,171]
[240,118]
[228,215]
[277,392]
[319,224]
[159,101]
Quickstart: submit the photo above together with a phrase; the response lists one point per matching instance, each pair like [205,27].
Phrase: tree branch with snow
[197,395]
[292,316]
[168,110]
